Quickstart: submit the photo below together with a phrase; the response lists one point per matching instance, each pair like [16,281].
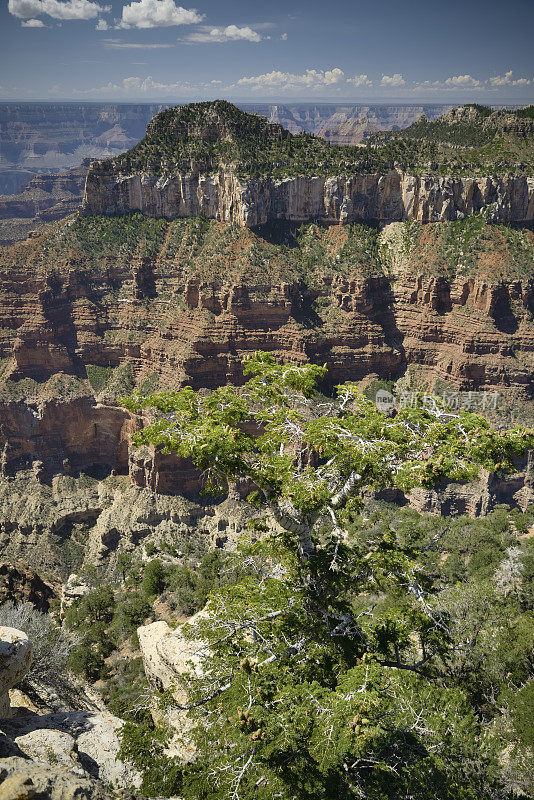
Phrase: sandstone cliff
[95,307]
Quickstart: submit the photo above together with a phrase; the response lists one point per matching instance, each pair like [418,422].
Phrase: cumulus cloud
[101,25]
[508,80]
[312,79]
[157,14]
[393,80]
[232,33]
[57,9]
[459,81]
[360,80]
[135,86]
[33,23]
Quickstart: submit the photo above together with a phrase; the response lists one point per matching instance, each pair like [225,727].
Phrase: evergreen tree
[310,686]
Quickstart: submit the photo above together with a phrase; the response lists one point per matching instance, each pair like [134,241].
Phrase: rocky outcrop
[70,435]
[15,661]
[46,745]
[395,196]
[168,654]
[83,743]
[22,585]
[52,137]
[23,779]
[45,198]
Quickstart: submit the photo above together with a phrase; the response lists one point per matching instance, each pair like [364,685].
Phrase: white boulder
[15,662]
[50,747]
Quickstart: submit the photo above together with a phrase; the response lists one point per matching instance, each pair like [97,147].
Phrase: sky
[275,51]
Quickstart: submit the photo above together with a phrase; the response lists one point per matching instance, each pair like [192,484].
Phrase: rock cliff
[213,160]
[51,137]
[98,306]
[383,198]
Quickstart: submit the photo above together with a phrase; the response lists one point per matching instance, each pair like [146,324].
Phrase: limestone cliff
[391,197]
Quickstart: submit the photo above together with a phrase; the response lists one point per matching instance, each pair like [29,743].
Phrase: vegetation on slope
[212,250]
[470,140]
[212,136]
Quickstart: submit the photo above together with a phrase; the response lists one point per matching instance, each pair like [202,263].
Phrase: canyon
[394,280]
[203,160]
[53,137]
[95,307]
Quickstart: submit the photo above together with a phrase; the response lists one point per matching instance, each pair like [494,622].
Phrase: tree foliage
[328,668]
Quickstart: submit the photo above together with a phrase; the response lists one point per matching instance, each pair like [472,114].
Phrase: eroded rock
[15,661]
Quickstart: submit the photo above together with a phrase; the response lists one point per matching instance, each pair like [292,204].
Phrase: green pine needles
[326,670]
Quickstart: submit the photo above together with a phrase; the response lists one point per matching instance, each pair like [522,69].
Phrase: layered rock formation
[396,196]
[343,123]
[213,160]
[53,137]
[134,302]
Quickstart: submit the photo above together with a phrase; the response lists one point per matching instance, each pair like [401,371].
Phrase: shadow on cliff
[502,313]
[280,233]
[383,314]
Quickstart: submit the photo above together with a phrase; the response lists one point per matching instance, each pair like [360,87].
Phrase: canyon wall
[395,196]
[159,321]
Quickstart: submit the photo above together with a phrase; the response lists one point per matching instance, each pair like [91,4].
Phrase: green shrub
[153,578]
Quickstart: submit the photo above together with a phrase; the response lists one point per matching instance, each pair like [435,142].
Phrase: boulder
[21,779]
[84,742]
[15,662]
[167,654]
[98,744]
[55,748]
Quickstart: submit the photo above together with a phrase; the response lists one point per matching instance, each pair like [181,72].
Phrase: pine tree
[310,688]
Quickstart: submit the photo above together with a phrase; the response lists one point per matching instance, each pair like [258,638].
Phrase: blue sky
[283,50]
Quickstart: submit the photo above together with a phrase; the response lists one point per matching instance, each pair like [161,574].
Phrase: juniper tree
[310,686]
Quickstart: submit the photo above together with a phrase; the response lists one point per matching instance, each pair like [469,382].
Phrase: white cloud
[101,25]
[157,14]
[459,81]
[508,80]
[229,34]
[33,23]
[312,79]
[393,80]
[135,87]
[57,9]
[360,80]
[116,44]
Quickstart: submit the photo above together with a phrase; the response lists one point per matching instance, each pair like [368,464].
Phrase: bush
[87,661]
[130,612]
[96,606]
[127,692]
[51,647]
[154,578]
